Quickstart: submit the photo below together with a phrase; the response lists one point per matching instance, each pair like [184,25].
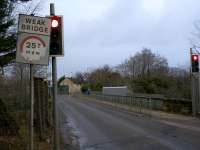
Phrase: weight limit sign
[33,49]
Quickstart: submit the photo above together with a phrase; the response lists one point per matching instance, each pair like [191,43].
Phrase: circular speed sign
[33,48]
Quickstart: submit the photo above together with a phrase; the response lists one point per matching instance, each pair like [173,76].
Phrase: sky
[99,32]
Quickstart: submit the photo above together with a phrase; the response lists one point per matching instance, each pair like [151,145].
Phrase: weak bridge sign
[33,39]
[32,24]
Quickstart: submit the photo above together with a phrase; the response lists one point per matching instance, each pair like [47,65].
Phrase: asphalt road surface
[101,127]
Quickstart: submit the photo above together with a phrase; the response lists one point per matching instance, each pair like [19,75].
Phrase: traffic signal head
[55,22]
[195,63]
[56,40]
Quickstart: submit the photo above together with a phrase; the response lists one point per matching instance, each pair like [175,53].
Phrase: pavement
[98,126]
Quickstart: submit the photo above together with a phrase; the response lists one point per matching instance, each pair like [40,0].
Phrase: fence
[14,112]
[14,115]
[63,89]
[183,106]
[42,107]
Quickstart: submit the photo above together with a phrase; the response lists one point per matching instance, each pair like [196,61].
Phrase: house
[69,87]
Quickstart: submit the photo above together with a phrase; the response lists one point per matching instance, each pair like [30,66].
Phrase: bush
[85,87]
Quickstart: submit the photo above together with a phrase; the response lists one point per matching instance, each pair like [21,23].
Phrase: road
[101,127]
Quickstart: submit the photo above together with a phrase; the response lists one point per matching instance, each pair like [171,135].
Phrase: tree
[7,39]
[60,80]
[195,40]
[8,32]
[144,63]
[78,78]
[104,76]
[20,0]
[145,72]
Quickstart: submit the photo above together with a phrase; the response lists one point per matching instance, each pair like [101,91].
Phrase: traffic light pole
[195,93]
[54,79]
[195,88]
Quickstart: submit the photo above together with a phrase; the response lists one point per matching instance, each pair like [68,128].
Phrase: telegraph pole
[54,80]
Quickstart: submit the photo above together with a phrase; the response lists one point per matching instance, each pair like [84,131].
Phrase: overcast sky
[98,32]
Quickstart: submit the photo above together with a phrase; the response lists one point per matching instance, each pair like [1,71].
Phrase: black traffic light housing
[195,63]
[56,39]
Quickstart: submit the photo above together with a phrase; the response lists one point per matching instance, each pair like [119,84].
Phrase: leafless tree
[28,7]
[195,38]
[143,63]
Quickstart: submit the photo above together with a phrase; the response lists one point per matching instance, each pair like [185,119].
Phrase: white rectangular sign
[33,39]
[34,24]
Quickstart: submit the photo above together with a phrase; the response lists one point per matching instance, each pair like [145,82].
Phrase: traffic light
[195,63]
[56,40]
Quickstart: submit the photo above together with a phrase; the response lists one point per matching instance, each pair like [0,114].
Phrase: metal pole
[198,100]
[31,147]
[194,88]
[192,85]
[54,79]
[193,95]
[52,9]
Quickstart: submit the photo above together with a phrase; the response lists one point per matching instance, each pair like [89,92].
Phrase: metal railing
[179,105]
[138,101]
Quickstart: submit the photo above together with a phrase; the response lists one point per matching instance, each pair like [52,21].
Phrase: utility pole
[54,79]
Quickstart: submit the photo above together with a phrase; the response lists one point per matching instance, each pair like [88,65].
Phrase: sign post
[33,48]
[31,128]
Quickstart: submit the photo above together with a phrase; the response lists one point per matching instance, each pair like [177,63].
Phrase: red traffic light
[195,63]
[54,21]
[56,38]
[195,58]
